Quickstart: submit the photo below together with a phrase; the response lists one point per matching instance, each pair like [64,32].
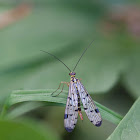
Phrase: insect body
[73,108]
[78,93]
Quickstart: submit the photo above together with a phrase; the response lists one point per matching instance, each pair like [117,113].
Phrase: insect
[77,93]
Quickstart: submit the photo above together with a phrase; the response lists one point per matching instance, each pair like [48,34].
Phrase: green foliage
[45,95]
[129,128]
[65,28]
[10,130]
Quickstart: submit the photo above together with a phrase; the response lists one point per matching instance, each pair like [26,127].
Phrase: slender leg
[68,83]
[80,79]
[59,88]
[60,91]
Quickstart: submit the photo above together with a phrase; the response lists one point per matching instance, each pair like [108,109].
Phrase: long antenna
[82,55]
[57,59]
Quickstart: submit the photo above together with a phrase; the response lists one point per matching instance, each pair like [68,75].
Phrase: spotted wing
[71,111]
[90,108]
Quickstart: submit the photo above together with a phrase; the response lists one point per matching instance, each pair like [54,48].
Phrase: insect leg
[80,79]
[60,91]
[59,88]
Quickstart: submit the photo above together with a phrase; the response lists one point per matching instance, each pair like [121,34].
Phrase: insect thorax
[73,79]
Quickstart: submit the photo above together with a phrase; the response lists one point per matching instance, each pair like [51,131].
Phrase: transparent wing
[90,108]
[71,111]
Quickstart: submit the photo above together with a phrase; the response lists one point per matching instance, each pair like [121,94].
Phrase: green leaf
[131,78]
[45,95]
[10,130]
[22,109]
[129,127]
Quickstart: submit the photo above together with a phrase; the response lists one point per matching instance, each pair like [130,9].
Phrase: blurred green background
[110,69]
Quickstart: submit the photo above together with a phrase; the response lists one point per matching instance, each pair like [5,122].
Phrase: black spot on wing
[79,109]
[69,98]
[78,99]
[98,123]
[69,129]
[97,110]
[85,108]
[65,116]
